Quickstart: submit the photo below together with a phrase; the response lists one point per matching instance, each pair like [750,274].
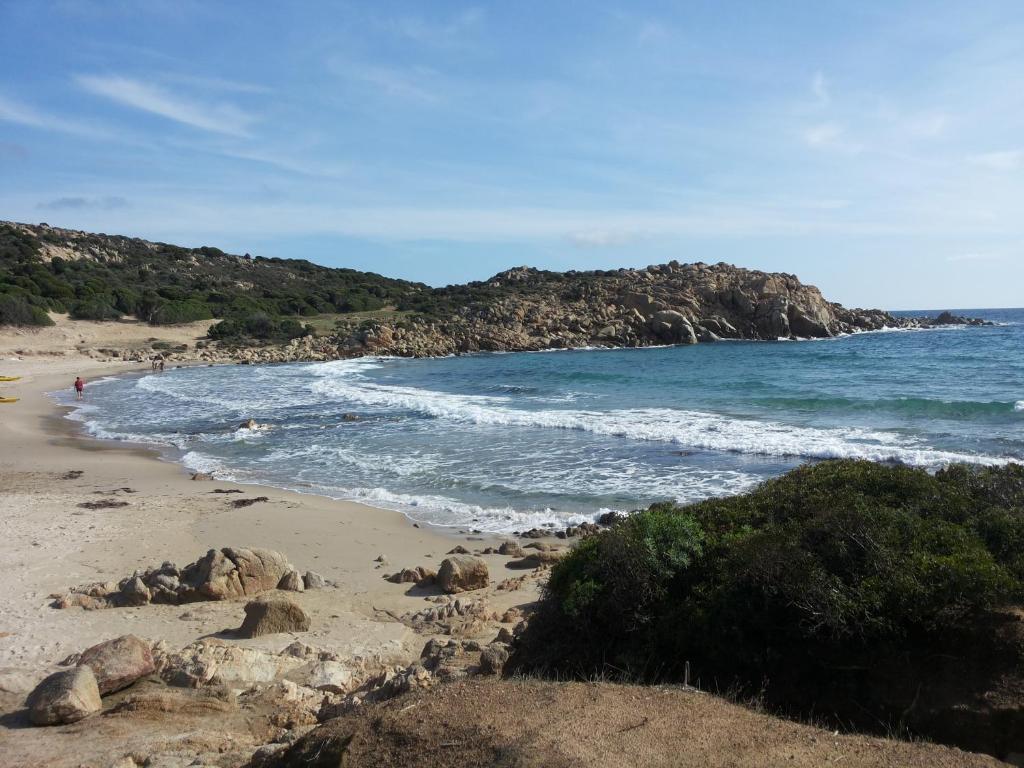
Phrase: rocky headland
[256,306]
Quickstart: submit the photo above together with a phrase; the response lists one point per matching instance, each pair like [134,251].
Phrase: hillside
[104,277]
[101,277]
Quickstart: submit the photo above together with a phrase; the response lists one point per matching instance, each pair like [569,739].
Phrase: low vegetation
[803,592]
[105,277]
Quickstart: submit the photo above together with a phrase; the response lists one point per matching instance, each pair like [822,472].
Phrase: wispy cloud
[12,111]
[80,203]
[450,32]
[217,118]
[416,84]
[1006,160]
[830,135]
[215,83]
[820,89]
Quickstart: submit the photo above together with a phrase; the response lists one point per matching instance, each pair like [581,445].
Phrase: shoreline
[53,544]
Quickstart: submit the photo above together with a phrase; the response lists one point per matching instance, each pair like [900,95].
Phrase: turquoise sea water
[508,441]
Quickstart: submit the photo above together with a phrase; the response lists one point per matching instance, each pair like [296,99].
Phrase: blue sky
[875,149]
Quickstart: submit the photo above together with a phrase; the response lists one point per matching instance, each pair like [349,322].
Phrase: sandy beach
[48,469]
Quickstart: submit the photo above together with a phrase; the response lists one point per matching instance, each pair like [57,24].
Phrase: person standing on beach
[79,387]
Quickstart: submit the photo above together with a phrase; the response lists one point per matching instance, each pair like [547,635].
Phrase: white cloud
[441,34]
[819,87]
[16,112]
[217,118]
[830,136]
[1006,160]
[414,84]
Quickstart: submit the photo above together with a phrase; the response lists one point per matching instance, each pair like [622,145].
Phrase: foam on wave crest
[695,429]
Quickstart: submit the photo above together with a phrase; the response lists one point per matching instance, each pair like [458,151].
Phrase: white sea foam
[695,429]
[1019,406]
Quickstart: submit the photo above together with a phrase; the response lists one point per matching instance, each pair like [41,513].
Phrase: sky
[875,149]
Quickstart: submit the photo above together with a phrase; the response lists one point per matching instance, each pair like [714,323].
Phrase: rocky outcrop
[65,697]
[462,573]
[118,663]
[527,309]
[221,574]
[272,615]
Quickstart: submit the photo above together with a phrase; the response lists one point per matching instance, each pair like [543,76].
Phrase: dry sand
[50,543]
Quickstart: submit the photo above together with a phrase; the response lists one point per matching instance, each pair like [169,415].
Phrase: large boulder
[65,697]
[510,549]
[493,658]
[229,572]
[673,327]
[118,663]
[271,615]
[462,573]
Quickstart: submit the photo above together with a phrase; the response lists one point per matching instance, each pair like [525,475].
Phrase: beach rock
[64,697]
[417,575]
[458,550]
[536,560]
[493,658]
[540,546]
[673,327]
[214,662]
[331,676]
[78,600]
[292,582]
[462,573]
[118,663]
[227,573]
[218,575]
[272,615]
[134,592]
[200,476]
[609,518]
[535,533]
[510,549]
[313,580]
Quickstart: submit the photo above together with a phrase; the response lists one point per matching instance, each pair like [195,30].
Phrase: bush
[176,312]
[94,309]
[837,565]
[259,326]
[16,310]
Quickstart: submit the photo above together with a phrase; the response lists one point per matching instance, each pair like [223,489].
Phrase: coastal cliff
[527,309]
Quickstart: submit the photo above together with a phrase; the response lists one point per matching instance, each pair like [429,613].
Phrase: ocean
[506,442]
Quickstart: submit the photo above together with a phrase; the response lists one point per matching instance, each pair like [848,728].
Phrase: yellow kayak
[8,399]
[9,378]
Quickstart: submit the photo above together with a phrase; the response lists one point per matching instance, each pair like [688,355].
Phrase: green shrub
[839,563]
[259,326]
[176,312]
[94,308]
[16,310]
